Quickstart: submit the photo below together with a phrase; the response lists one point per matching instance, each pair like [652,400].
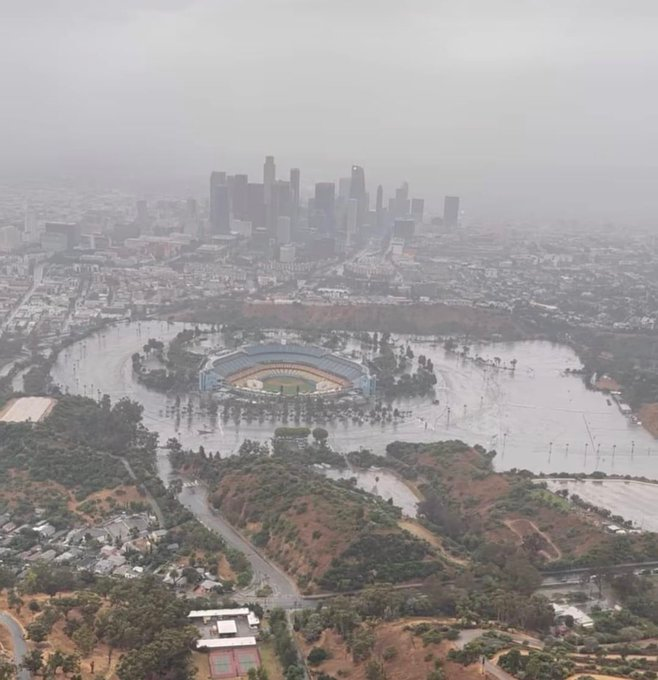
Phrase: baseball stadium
[284,369]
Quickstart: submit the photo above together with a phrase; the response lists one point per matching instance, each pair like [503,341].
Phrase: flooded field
[536,417]
[634,501]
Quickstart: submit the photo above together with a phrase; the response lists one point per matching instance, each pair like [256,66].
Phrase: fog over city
[328,339]
[530,110]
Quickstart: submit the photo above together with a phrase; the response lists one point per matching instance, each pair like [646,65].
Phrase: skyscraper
[350,221]
[294,195]
[402,200]
[358,191]
[379,205]
[256,209]
[220,209]
[451,211]
[269,177]
[344,187]
[417,208]
[325,206]
[239,198]
[216,202]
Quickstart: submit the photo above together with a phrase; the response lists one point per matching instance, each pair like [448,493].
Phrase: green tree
[7,670]
[320,435]
[33,662]
[84,639]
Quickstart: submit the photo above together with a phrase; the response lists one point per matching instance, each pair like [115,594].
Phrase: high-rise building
[294,195]
[402,200]
[379,206]
[61,236]
[351,217]
[344,187]
[404,228]
[417,208]
[358,191]
[256,208]
[269,177]
[239,197]
[324,206]
[220,208]
[451,211]
[219,204]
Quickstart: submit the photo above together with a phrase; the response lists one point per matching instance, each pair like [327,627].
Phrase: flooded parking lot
[633,500]
[536,417]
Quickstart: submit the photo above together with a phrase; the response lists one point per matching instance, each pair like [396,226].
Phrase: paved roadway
[18,642]
[284,590]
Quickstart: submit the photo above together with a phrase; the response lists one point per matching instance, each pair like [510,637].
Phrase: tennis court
[233,663]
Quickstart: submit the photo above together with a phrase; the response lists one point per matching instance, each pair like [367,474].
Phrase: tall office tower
[379,205]
[351,221]
[217,179]
[402,200]
[256,208]
[344,185]
[294,195]
[283,230]
[417,208]
[220,209]
[324,205]
[239,197]
[269,177]
[358,191]
[451,211]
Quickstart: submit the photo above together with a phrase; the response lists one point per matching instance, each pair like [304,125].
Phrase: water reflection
[536,417]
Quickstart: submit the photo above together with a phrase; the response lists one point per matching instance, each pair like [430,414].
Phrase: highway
[18,642]
[613,568]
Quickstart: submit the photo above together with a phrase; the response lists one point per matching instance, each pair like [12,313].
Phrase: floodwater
[633,500]
[535,417]
[380,482]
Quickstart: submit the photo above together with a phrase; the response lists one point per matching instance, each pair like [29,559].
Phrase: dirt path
[419,531]
[515,525]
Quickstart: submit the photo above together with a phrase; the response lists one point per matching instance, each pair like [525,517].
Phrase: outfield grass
[289,384]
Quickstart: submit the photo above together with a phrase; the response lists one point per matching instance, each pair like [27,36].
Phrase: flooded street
[535,417]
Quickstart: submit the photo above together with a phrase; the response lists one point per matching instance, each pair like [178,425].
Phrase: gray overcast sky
[527,108]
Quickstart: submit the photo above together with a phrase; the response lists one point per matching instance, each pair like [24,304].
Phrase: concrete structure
[259,368]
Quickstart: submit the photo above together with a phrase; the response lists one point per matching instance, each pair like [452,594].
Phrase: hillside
[485,511]
[412,318]
[329,535]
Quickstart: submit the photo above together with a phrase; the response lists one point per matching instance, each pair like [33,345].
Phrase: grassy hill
[328,534]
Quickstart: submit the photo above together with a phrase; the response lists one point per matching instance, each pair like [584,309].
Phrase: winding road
[285,593]
[18,643]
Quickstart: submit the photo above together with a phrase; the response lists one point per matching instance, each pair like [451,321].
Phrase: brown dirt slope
[434,318]
[327,535]
[411,661]
[499,504]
